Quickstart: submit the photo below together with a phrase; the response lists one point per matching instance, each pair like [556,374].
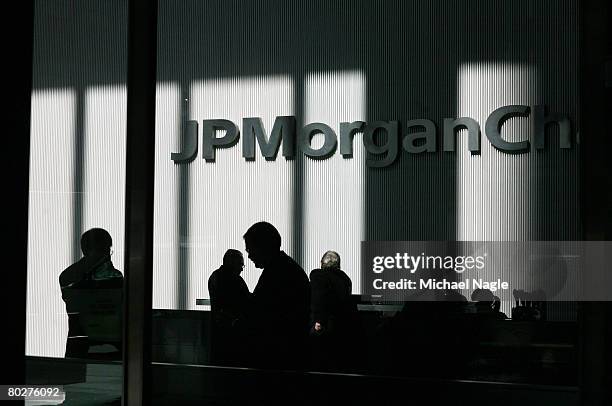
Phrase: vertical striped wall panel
[77,153]
[320,61]
[333,192]
[51,210]
[220,200]
[348,61]
[531,196]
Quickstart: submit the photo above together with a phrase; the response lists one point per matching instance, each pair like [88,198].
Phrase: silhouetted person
[91,288]
[529,305]
[487,304]
[280,309]
[334,316]
[429,329]
[229,297]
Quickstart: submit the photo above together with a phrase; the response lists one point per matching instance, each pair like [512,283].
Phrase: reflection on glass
[77,183]
[92,289]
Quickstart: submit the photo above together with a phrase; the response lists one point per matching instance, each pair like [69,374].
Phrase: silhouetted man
[281,302]
[487,304]
[229,297]
[91,288]
[334,317]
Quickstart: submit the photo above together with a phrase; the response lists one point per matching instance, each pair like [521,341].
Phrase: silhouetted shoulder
[342,275]
[317,274]
[289,268]
[213,278]
[74,273]
[286,259]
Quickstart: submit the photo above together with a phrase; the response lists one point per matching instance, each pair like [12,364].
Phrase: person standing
[334,316]
[229,297]
[280,304]
[92,289]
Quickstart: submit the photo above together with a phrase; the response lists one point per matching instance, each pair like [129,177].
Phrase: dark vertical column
[77,173]
[182,285]
[142,44]
[18,70]
[608,107]
[297,209]
[595,148]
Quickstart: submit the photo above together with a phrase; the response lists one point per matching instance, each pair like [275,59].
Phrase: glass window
[77,199]
[342,123]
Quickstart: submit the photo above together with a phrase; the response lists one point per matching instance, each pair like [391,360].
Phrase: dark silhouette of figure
[487,304]
[92,290]
[280,306]
[229,297]
[529,305]
[334,316]
[430,331]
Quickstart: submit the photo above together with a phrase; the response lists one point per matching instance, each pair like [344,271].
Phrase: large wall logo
[414,136]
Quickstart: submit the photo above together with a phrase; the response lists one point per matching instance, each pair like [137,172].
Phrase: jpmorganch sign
[419,136]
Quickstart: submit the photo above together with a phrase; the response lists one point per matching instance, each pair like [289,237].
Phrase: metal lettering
[190,144]
[452,125]
[541,120]
[283,129]
[329,146]
[429,135]
[496,120]
[209,137]
[347,132]
[389,149]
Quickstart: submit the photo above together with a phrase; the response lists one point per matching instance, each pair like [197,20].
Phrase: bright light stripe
[506,197]
[226,197]
[50,218]
[104,154]
[334,188]
[165,230]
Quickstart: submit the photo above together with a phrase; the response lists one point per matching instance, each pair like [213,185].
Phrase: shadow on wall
[408,52]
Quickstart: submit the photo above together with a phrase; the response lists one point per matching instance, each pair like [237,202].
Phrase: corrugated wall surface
[348,61]
[77,156]
[334,189]
[531,196]
[202,208]
[321,61]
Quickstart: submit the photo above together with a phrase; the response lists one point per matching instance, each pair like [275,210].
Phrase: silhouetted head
[96,242]
[482,295]
[330,260]
[496,303]
[262,242]
[233,260]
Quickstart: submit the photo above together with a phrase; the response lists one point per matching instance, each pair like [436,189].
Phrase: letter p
[209,137]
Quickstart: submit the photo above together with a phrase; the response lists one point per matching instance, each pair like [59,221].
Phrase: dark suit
[334,346]
[82,283]
[279,315]
[229,297]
